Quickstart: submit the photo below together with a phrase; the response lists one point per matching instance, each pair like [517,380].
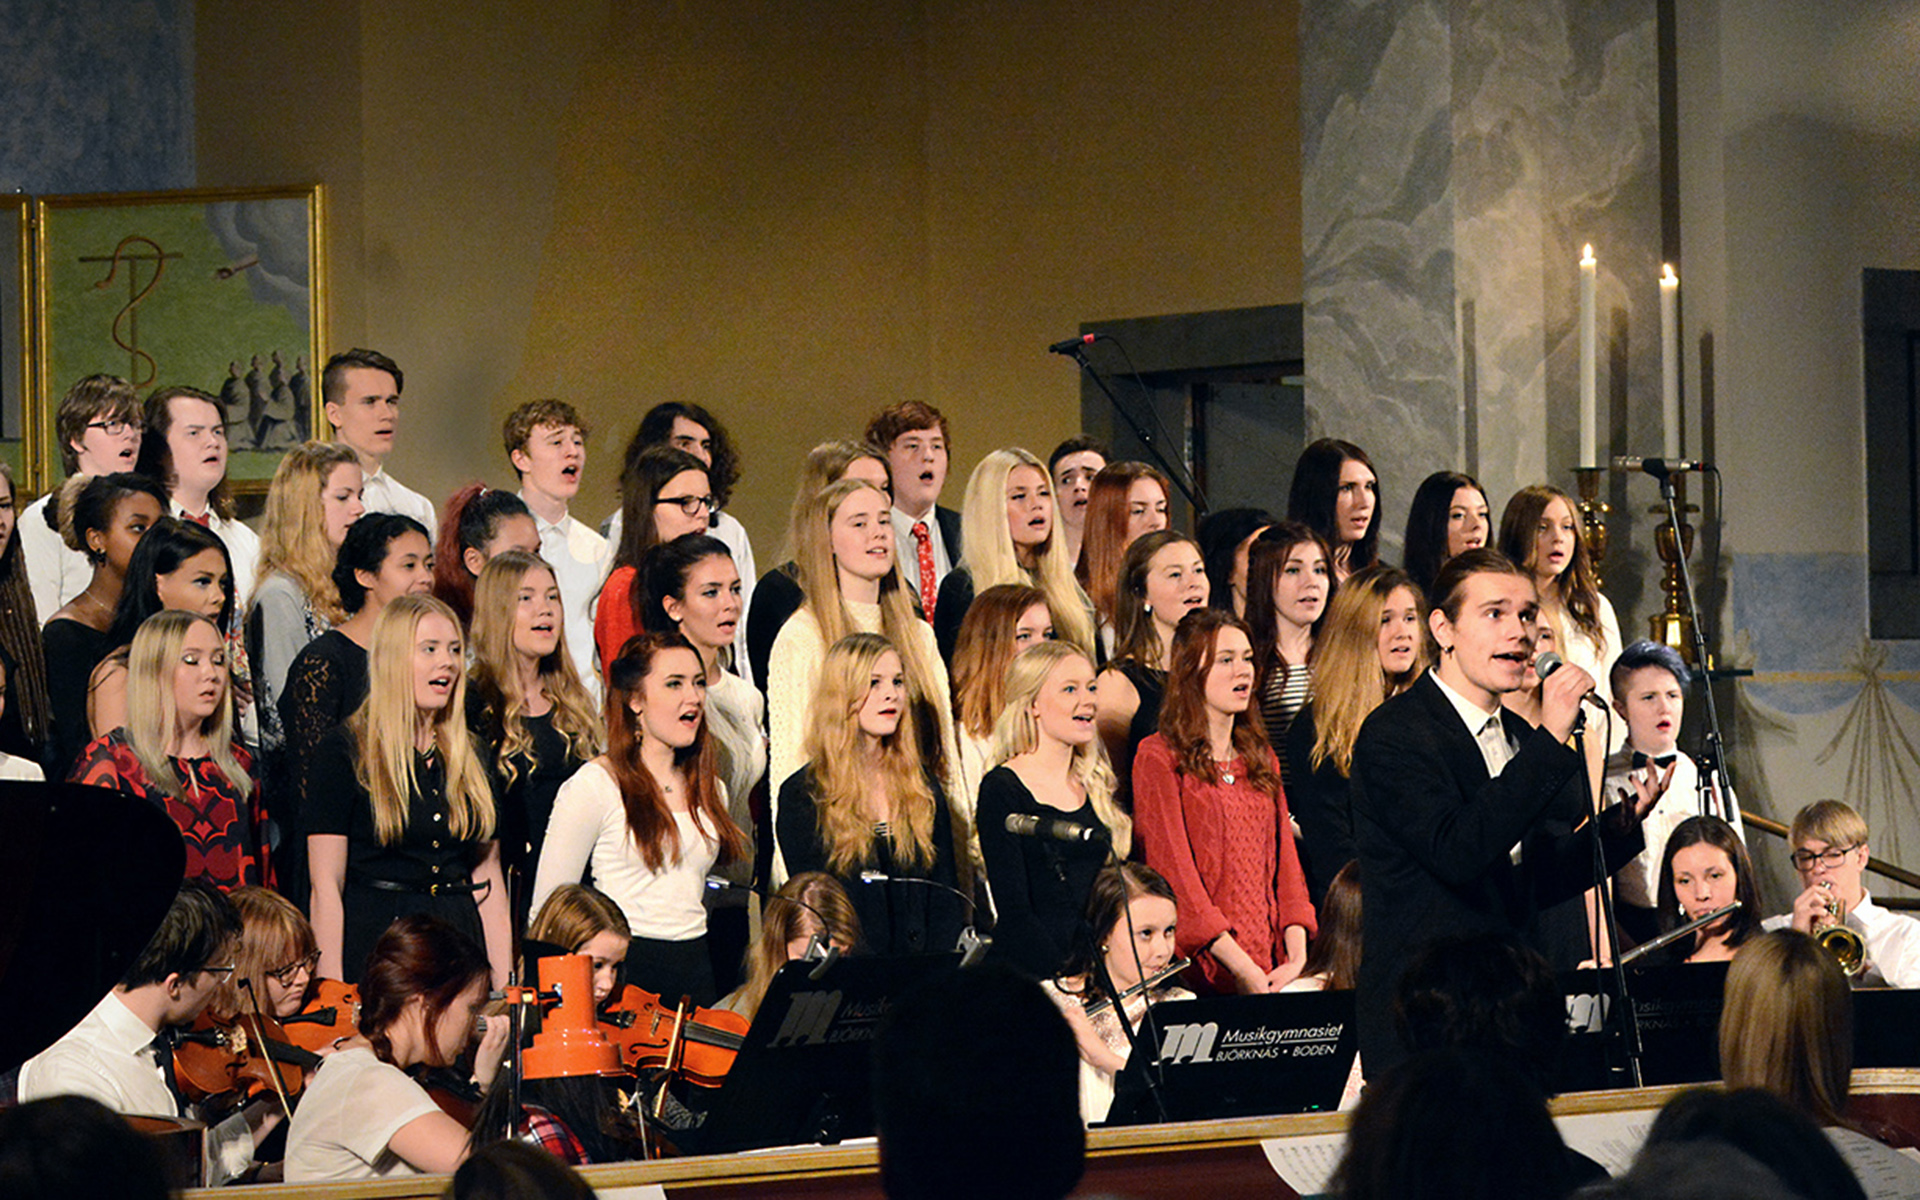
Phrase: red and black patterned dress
[221,828]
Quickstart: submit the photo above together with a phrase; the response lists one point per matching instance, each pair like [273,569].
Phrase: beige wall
[792,213]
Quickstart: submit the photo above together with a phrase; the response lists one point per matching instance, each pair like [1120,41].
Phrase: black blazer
[1434,835]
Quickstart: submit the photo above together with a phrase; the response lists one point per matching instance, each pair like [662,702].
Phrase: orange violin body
[332,1013]
[698,1044]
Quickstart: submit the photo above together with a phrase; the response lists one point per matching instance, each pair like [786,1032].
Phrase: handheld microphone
[1030,825]
[1073,345]
[1659,468]
[1550,662]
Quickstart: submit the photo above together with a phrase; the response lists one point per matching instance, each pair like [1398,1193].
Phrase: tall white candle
[1589,405]
[1669,362]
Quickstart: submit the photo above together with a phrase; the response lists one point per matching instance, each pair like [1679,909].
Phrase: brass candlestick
[1673,625]
[1593,514]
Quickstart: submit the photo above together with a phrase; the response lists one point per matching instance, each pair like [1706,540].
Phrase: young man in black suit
[1449,790]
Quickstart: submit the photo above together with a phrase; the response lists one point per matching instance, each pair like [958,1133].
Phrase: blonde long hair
[1348,682]
[990,556]
[383,731]
[1018,732]
[151,713]
[795,912]
[899,623]
[843,774]
[496,681]
[293,535]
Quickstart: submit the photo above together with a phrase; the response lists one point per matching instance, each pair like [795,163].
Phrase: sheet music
[638,1191]
[1306,1164]
[1610,1139]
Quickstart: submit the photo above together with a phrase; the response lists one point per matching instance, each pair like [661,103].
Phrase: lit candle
[1669,362]
[1589,406]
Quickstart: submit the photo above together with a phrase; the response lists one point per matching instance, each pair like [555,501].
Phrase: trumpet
[1838,939]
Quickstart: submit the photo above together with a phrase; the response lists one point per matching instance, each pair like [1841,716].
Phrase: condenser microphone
[1659,468]
[1029,825]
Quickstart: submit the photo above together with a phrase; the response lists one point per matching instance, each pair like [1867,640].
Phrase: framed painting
[219,290]
[16,344]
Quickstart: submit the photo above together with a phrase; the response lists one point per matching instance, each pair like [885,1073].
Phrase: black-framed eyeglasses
[693,506]
[284,976]
[115,428]
[1832,856]
[221,973]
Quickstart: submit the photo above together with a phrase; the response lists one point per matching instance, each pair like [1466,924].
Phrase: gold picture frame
[223,290]
[17,445]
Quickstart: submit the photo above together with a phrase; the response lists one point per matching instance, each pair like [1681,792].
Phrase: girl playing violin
[1131,911]
[364,1116]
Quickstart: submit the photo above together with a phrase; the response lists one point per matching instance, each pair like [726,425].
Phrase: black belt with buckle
[418,889]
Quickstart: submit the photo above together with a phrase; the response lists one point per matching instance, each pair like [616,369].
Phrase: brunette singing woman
[177,750]
[1162,579]
[364,1116]
[177,565]
[1212,816]
[649,816]
[399,811]
[1002,623]
[1054,769]
[1289,578]
[1448,516]
[664,495]
[1336,493]
[866,810]
[1540,531]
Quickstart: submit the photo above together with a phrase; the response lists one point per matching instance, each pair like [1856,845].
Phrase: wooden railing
[1891,871]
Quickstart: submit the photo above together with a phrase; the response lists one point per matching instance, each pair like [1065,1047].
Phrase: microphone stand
[1712,762]
[829,954]
[1188,488]
[1629,1019]
[972,946]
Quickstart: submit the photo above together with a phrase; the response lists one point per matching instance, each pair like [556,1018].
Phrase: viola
[229,1063]
[697,1044]
[331,1013]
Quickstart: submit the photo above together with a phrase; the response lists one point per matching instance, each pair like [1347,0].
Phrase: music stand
[1678,1007]
[804,1075]
[1243,1056]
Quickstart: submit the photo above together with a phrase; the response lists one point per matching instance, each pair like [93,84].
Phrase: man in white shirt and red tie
[913,438]
[360,390]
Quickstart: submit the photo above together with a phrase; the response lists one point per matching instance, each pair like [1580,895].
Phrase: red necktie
[925,542]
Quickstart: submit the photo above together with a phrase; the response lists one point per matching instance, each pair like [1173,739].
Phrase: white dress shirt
[579,558]
[381,492]
[1488,733]
[1892,940]
[55,573]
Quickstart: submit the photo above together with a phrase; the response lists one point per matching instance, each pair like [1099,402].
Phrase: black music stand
[805,1073]
[1678,1010]
[1243,1056]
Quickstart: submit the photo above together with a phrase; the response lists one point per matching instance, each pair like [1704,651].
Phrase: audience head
[1649,682]
[422,986]
[916,442]
[1786,1025]
[692,586]
[1453,1123]
[1336,492]
[385,556]
[76,1146]
[1161,579]
[1002,621]
[479,522]
[98,423]
[1448,516]
[941,1062]
[1226,538]
[276,958]
[1047,695]
[360,392]
[104,516]
[1486,993]
[179,565]
[1073,464]
[694,430]
[1829,841]
[1762,1127]
[184,448]
[512,1170]
[584,920]
[313,500]
[1705,868]
[664,494]
[546,443]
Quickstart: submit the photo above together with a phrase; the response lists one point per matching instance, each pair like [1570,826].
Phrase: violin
[229,1063]
[697,1044]
[331,1013]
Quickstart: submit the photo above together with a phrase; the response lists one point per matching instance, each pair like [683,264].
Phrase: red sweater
[1228,851]
[613,621]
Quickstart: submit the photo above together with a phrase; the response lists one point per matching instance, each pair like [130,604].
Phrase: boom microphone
[1659,468]
[1029,825]
[1073,344]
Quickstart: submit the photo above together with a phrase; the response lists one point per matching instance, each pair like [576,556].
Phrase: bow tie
[1663,761]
